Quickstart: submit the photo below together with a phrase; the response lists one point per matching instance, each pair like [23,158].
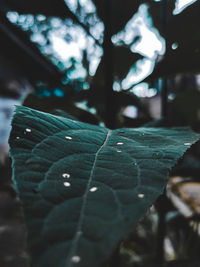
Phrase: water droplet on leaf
[93,189]
[68,137]
[76,259]
[187,144]
[27,130]
[65,175]
[67,184]
[141,195]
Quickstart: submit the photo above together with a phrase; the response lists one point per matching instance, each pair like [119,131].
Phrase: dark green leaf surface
[84,187]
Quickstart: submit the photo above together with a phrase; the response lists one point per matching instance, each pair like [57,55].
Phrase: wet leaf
[84,187]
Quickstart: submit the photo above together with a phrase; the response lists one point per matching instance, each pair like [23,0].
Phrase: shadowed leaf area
[84,187]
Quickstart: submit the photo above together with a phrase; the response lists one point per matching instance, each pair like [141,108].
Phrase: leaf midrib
[78,233]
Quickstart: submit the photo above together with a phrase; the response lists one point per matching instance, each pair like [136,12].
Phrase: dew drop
[67,184]
[93,189]
[28,130]
[120,143]
[68,137]
[75,259]
[187,144]
[141,195]
[65,175]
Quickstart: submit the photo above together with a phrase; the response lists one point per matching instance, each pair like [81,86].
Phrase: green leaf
[84,187]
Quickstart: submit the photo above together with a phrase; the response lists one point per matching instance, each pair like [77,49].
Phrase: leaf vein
[79,227]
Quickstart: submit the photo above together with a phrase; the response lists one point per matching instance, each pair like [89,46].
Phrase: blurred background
[111,63]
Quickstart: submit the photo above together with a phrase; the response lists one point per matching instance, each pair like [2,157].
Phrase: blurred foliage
[182,39]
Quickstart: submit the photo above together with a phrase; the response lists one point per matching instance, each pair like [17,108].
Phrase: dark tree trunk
[110,105]
[164,85]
